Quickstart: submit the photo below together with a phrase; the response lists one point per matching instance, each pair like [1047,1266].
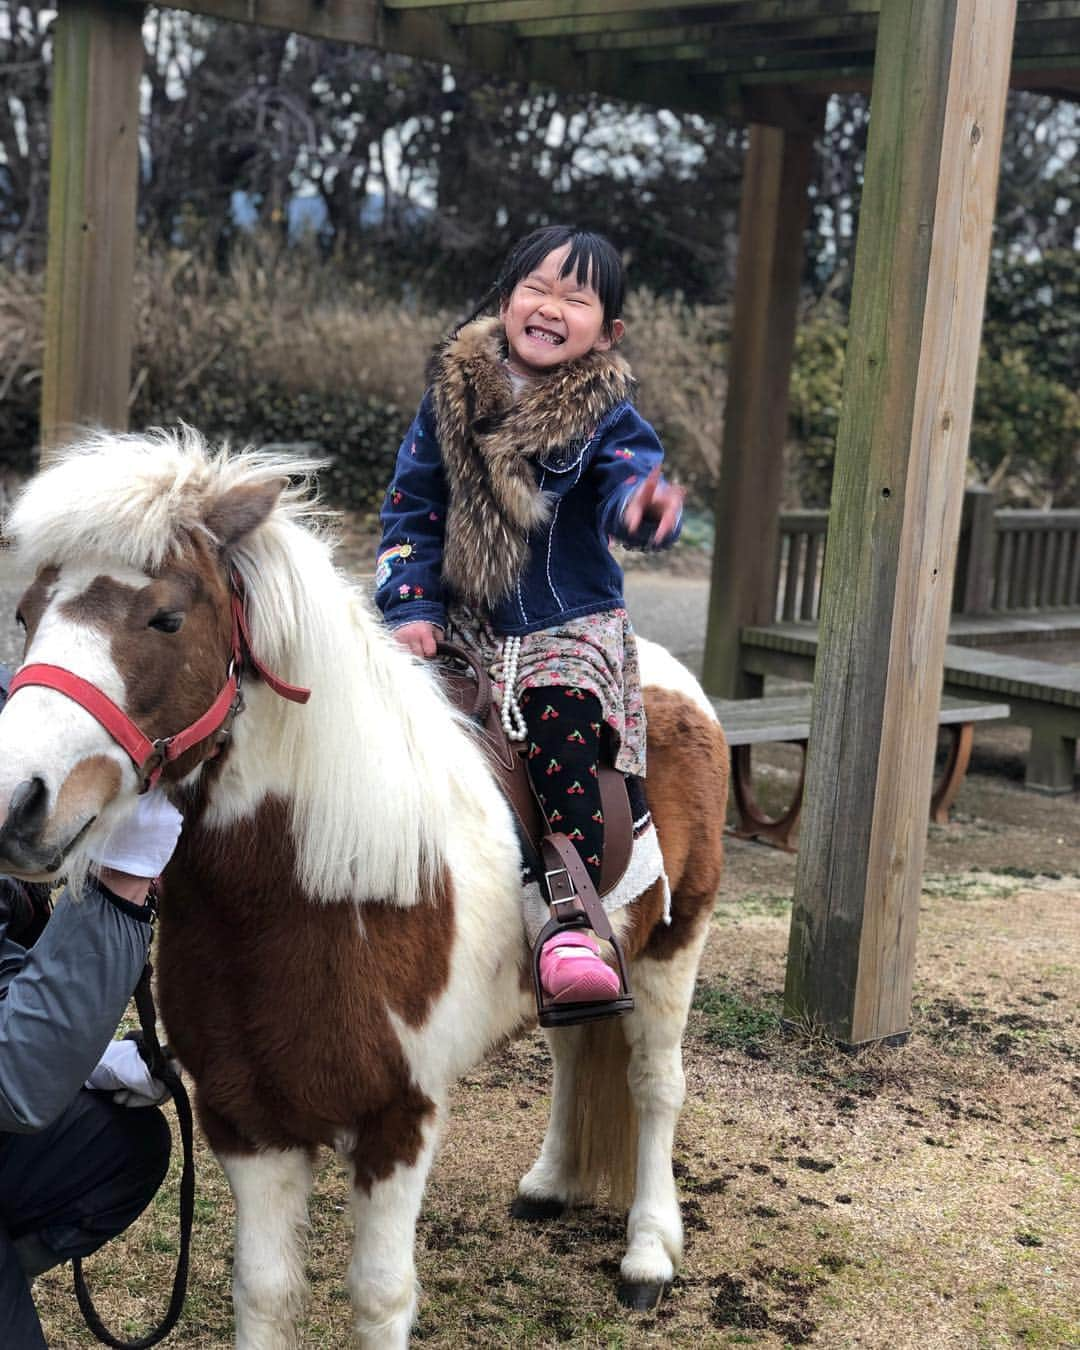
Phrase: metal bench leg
[952,775]
[753,823]
[1051,762]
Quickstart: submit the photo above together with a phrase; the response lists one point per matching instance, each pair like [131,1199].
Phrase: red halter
[151,757]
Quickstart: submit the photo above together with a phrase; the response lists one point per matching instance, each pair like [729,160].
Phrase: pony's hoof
[535,1211]
[641,1295]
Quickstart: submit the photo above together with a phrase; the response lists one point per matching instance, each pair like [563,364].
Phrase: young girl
[525,458]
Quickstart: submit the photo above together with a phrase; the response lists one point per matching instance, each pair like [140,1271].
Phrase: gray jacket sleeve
[61,1001]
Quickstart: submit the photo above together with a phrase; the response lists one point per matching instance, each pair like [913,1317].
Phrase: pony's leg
[662,993]
[269,1289]
[382,1273]
[553,1182]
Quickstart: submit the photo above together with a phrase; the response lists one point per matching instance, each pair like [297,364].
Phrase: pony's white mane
[136,499]
[376,765]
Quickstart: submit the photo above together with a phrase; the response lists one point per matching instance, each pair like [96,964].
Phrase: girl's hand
[419,637]
[657,501]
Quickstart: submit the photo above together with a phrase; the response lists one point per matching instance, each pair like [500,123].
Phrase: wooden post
[941,74]
[97,65]
[974,589]
[771,222]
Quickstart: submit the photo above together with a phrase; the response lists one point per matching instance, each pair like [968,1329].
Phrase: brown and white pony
[341,932]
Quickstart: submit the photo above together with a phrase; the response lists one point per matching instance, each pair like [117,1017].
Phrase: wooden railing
[1036,563]
[1008,562]
[802,552]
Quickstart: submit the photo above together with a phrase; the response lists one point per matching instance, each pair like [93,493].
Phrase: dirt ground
[922,1197]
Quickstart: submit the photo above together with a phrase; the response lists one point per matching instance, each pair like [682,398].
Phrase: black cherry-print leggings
[565,727]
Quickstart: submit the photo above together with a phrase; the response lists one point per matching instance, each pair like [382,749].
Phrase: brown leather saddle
[551,858]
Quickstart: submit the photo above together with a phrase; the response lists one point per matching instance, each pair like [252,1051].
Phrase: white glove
[122,1071]
[142,842]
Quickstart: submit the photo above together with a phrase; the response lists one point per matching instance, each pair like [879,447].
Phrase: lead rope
[161,1068]
[513,722]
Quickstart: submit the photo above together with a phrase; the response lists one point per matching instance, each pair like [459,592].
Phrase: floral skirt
[596,653]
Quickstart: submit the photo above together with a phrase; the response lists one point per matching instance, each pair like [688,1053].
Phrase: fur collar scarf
[488,442]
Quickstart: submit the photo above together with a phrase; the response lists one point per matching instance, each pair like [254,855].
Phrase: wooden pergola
[939,71]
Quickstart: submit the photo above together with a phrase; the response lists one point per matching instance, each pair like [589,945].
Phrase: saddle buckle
[563,899]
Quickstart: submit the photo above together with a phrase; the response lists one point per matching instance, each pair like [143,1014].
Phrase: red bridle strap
[151,757]
[115,721]
[293,692]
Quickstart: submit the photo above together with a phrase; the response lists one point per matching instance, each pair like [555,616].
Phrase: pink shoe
[572,971]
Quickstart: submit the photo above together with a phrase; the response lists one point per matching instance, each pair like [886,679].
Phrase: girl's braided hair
[594,257]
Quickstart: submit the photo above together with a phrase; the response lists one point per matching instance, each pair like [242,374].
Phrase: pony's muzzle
[21,847]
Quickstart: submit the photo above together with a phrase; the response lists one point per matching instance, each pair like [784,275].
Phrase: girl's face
[550,319]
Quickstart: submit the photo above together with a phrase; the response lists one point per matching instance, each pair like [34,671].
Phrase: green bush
[357,435]
[1025,433]
[1032,307]
[817,375]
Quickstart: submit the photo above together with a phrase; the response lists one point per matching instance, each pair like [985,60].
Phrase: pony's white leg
[382,1273]
[553,1179]
[271,1192]
[662,993]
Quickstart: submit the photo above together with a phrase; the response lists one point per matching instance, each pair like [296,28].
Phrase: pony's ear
[240,510]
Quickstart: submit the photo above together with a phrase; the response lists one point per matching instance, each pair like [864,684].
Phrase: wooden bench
[1041,695]
[758,721]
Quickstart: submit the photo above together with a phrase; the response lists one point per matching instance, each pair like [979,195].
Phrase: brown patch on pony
[280,1006]
[687,788]
[35,598]
[170,679]
[91,784]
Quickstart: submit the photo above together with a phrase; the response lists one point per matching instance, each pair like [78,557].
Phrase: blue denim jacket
[570,570]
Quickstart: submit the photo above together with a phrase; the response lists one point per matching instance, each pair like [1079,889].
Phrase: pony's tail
[604,1143]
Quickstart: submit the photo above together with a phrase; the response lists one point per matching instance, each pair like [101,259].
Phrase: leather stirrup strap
[568,879]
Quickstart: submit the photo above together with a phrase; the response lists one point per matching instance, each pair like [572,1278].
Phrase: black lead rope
[162,1069]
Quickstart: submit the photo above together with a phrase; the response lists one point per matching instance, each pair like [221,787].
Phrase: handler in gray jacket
[77,1165]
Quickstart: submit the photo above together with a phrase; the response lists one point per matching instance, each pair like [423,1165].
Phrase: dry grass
[280,321]
[283,321]
[920,1198]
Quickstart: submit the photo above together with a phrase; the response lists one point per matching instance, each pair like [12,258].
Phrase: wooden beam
[497,11]
[752,13]
[538,40]
[494,49]
[772,217]
[97,66]
[857,32]
[567,11]
[925,225]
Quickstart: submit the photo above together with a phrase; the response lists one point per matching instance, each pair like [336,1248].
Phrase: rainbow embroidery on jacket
[386,560]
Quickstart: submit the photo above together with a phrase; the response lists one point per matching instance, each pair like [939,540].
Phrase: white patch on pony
[382,1272]
[482,1001]
[662,993]
[271,1191]
[662,670]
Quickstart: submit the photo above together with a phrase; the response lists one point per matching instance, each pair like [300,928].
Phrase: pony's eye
[167,621]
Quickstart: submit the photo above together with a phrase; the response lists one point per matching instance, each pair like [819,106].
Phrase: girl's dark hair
[595,259]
